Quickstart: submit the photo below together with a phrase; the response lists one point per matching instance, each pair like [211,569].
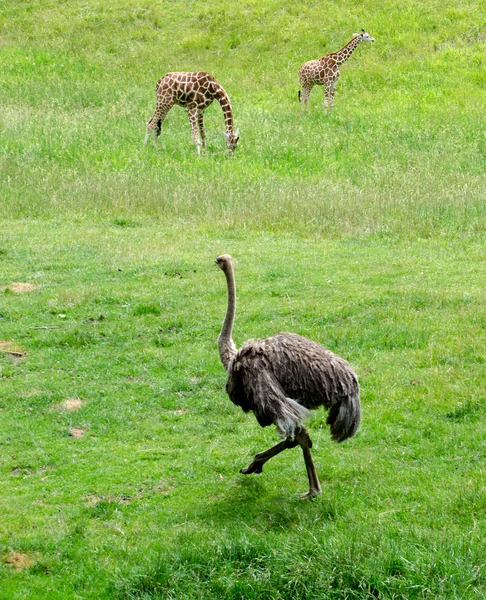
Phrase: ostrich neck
[227,348]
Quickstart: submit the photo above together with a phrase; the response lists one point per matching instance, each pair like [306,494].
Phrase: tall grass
[404,148]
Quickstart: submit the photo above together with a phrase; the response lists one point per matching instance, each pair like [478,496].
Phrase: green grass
[149,503]
[363,231]
[404,148]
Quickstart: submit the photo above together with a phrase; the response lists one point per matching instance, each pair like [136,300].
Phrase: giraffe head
[363,36]
[232,138]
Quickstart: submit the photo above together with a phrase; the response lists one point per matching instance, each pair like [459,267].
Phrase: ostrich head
[232,138]
[364,37]
[224,262]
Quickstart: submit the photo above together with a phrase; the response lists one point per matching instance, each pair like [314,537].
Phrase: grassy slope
[149,501]
[153,492]
[403,147]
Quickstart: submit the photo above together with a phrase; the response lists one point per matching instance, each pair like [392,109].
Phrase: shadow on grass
[252,542]
[249,504]
[248,544]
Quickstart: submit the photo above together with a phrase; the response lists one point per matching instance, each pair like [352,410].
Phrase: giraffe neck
[224,100]
[343,54]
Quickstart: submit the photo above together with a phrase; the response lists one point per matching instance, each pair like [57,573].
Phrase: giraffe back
[184,89]
[320,71]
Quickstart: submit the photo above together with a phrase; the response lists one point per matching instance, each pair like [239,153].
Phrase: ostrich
[280,378]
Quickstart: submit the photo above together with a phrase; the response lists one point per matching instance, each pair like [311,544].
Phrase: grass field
[119,450]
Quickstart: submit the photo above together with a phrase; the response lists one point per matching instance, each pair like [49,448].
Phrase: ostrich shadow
[248,500]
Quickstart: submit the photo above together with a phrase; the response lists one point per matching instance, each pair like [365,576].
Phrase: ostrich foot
[261,458]
[311,494]
[255,467]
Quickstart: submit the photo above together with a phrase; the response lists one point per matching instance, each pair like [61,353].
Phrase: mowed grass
[120,452]
[149,501]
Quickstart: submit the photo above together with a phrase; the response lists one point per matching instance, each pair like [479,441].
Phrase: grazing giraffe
[325,71]
[195,92]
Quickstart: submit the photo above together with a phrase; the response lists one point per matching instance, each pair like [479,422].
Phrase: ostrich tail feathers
[290,417]
[344,418]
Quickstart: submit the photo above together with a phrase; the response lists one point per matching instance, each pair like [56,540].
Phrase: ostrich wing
[278,376]
[252,386]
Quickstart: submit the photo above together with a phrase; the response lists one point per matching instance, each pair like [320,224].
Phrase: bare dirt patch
[77,432]
[12,349]
[19,560]
[20,288]
[70,404]
[92,499]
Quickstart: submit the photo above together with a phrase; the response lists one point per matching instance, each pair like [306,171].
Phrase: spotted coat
[325,71]
[194,91]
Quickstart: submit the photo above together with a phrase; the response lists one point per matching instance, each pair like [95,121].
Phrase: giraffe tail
[299,95]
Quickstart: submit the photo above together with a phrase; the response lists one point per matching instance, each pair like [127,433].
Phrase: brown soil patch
[19,288]
[11,348]
[77,432]
[18,561]
[70,404]
[91,499]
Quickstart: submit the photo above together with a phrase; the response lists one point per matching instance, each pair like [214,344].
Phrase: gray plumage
[281,378]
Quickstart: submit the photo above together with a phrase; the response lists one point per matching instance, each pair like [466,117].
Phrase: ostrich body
[280,379]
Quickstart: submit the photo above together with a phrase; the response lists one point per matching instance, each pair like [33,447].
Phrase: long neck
[226,346]
[343,54]
[224,100]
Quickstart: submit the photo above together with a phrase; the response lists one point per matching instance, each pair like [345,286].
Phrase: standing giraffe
[195,92]
[325,71]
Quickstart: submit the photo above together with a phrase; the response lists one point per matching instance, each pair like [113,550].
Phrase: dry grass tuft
[19,560]
[12,349]
[77,432]
[70,404]
[19,288]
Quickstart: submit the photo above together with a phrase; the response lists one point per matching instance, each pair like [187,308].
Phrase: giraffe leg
[305,443]
[331,95]
[193,117]
[260,459]
[202,131]
[155,123]
[327,96]
[304,97]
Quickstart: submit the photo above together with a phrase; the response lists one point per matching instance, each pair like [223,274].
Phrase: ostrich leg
[314,485]
[303,440]
[305,443]
[260,459]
